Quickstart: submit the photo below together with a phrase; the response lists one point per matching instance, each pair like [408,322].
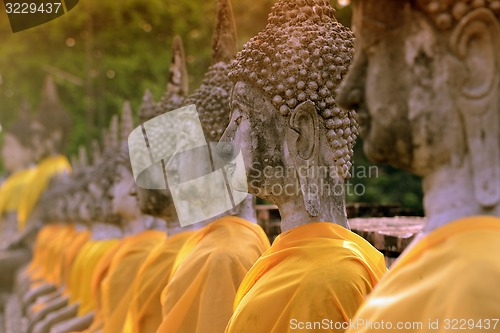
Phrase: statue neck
[104,231]
[155,223]
[293,213]
[245,210]
[449,196]
[135,226]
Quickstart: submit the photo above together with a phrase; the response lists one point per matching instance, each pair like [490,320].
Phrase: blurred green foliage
[102,53]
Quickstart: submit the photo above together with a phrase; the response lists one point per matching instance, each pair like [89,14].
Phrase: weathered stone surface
[285,120]
[10,262]
[77,324]
[13,315]
[443,60]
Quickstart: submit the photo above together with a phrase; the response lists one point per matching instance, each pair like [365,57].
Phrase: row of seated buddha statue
[421,83]
[101,264]
[32,155]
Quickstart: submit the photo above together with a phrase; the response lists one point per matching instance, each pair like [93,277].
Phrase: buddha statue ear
[476,43]
[303,145]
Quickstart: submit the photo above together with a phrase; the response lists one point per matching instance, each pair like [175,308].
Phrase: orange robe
[144,313]
[11,191]
[116,286]
[39,249]
[56,260]
[48,252]
[207,273]
[44,171]
[80,286]
[314,272]
[99,274]
[70,254]
[446,282]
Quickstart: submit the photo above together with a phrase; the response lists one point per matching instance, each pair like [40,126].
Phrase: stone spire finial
[178,83]
[302,55]
[113,133]
[96,152]
[24,108]
[104,141]
[53,116]
[127,121]
[224,40]
[50,97]
[147,110]
[21,128]
[82,157]
[74,163]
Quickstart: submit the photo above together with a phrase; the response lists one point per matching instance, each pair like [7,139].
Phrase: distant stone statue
[297,145]
[17,150]
[49,137]
[45,135]
[17,157]
[122,192]
[426,83]
[159,203]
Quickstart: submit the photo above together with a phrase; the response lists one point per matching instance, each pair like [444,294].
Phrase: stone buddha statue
[226,245]
[124,202]
[138,235]
[95,207]
[17,151]
[297,146]
[159,203]
[89,204]
[17,157]
[425,83]
[297,143]
[49,136]
[69,210]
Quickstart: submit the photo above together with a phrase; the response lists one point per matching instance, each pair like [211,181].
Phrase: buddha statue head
[97,205]
[425,82]
[56,197]
[66,190]
[157,202]
[17,149]
[52,123]
[122,202]
[211,99]
[122,191]
[296,142]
